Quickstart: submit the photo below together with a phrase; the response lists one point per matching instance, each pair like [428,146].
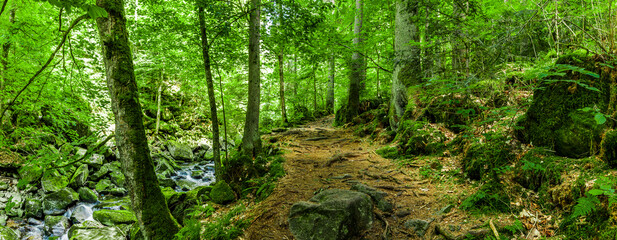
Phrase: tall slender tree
[406,62]
[330,96]
[251,142]
[205,48]
[148,202]
[356,75]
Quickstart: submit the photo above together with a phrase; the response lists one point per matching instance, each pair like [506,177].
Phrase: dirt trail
[320,157]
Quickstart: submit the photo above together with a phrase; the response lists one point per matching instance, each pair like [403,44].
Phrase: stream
[187,177]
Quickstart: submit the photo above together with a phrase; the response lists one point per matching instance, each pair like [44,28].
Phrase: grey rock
[378,196]
[81,213]
[34,208]
[332,214]
[56,225]
[180,151]
[56,203]
[95,161]
[419,226]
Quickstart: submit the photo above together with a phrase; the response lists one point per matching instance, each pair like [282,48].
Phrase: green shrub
[491,197]
[482,159]
[226,227]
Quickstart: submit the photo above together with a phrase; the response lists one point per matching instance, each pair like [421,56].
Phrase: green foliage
[388,152]
[226,227]
[486,158]
[190,231]
[491,197]
[590,202]
[539,169]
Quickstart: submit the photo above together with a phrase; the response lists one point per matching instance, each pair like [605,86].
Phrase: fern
[585,206]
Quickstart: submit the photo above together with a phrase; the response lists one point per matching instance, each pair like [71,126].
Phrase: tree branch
[64,37]
[364,55]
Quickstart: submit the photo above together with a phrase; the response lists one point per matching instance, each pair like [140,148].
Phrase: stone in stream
[34,208]
[92,230]
[53,181]
[56,203]
[80,177]
[56,225]
[80,214]
[105,186]
[113,217]
[197,174]
[87,195]
[180,151]
[7,233]
[333,214]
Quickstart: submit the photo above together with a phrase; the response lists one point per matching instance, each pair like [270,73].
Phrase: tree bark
[330,98]
[251,142]
[282,88]
[158,104]
[356,76]
[406,62]
[147,199]
[205,47]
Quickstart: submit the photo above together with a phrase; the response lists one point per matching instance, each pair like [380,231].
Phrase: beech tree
[148,202]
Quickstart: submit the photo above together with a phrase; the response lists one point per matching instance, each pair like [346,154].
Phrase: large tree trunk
[251,143]
[330,97]
[406,62]
[147,199]
[356,76]
[282,88]
[205,47]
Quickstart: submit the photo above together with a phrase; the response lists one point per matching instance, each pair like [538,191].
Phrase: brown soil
[320,157]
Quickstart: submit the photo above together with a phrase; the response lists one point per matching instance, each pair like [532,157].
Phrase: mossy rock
[554,119]
[608,151]
[7,233]
[56,203]
[180,204]
[114,217]
[30,173]
[419,138]
[388,152]
[56,225]
[53,181]
[80,177]
[92,230]
[480,159]
[33,208]
[87,195]
[222,193]
[538,169]
[453,110]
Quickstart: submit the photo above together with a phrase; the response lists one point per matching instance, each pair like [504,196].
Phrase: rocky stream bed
[89,200]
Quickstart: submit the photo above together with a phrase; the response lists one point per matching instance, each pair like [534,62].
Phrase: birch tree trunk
[147,200]
[251,143]
[205,47]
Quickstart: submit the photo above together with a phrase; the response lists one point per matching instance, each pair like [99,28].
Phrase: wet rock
[8,234]
[87,195]
[118,192]
[56,203]
[56,225]
[104,186]
[197,174]
[34,208]
[105,169]
[117,177]
[419,226]
[113,217]
[79,177]
[179,202]
[222,193]
[81,213]
[378,197]
[95,161]
[4,186]
[185,185]
[91,230]
[180,151]
[331,214]
[53,181]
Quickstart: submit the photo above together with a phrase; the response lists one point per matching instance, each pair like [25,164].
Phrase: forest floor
[319,156]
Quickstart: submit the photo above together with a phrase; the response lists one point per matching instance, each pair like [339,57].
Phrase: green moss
[491,197]
[538,169]
[483,159]
[222,193]
[608,151]
[113,217]
[419,138]
[388,152]
[453,110]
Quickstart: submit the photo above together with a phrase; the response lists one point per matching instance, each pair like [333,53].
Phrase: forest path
[320,157]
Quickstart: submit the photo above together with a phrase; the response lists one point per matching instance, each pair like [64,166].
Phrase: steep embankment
[320,157]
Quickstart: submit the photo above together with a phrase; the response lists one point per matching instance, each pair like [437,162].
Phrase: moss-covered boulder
[419,138]
[91,230]
[53,181]
[180,203]
[455,111]
[482,158]
[56,225]
[538,169]
[179,151]
[113,217]
[222,193]
[33,208]
[608,151]
[334,214]
[56,203]
[7,233]
[87,195]
[80,176]
[555,118]
[30,173]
